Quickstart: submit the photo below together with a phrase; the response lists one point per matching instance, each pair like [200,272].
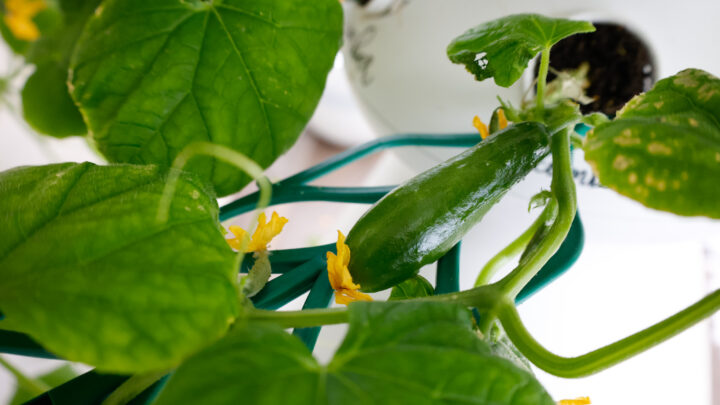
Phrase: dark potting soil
[620,65]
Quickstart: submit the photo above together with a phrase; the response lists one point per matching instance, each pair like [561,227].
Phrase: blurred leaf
[663,148]
[47,105]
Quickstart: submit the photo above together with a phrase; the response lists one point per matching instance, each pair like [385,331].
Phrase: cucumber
[422,219]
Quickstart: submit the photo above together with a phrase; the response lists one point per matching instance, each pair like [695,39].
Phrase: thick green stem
[514,249]
[31,385]
[541,81]
[484,298]
[300,319]
[607,356]
[563,189]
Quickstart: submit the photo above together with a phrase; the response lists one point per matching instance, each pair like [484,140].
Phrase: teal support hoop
[301,270]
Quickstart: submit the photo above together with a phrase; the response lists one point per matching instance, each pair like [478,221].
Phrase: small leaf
[503,47]
[394,354]
[90,274]
[47,105]
[414,287]
[556,117]
[595,119]
[663,148]
[151,77]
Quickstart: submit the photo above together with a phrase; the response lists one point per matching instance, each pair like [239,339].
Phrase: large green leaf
[153,76]
[502,48]
[394,354]
[89,272]
[663,148]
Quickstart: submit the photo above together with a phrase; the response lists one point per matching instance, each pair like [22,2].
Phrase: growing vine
[126,266]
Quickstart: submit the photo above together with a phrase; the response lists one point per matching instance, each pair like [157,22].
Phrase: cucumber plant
[125,267]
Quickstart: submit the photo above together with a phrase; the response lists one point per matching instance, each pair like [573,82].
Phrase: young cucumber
[421,220]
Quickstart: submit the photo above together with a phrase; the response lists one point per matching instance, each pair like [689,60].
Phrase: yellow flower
[577,401]
[502,120]
[481,127]
[19,18]
[340,279]
[264,233]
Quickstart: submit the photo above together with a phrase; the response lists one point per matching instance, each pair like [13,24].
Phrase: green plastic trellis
[301,270]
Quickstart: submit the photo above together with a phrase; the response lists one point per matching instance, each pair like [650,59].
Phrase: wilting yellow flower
[481,127]
[340,279]
[577,401]
[502,120]
[264,233]
[19,18]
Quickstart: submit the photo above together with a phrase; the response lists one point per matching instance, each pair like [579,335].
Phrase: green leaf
[154,76]
[89,272]
[663,148]
[47,105]
[414,287]
[52,379]
[394,354]
[503,47]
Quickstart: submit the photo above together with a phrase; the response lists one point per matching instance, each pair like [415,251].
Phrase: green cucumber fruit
[421,220]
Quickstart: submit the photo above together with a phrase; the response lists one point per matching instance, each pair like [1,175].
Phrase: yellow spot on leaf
[621,162]
[481,127]
[685,80]
[340,279]
[264,233]
[706,92]
[693,122]
[658,104]
[632,178]
[19,18]
[576,401]
[657,148]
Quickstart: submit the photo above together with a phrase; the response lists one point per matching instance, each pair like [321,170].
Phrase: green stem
[511,251]
[483,298]
[563,188]
[220,152]
[542,80]
[31,385]
[300,319]
[133,387]
[607,356]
